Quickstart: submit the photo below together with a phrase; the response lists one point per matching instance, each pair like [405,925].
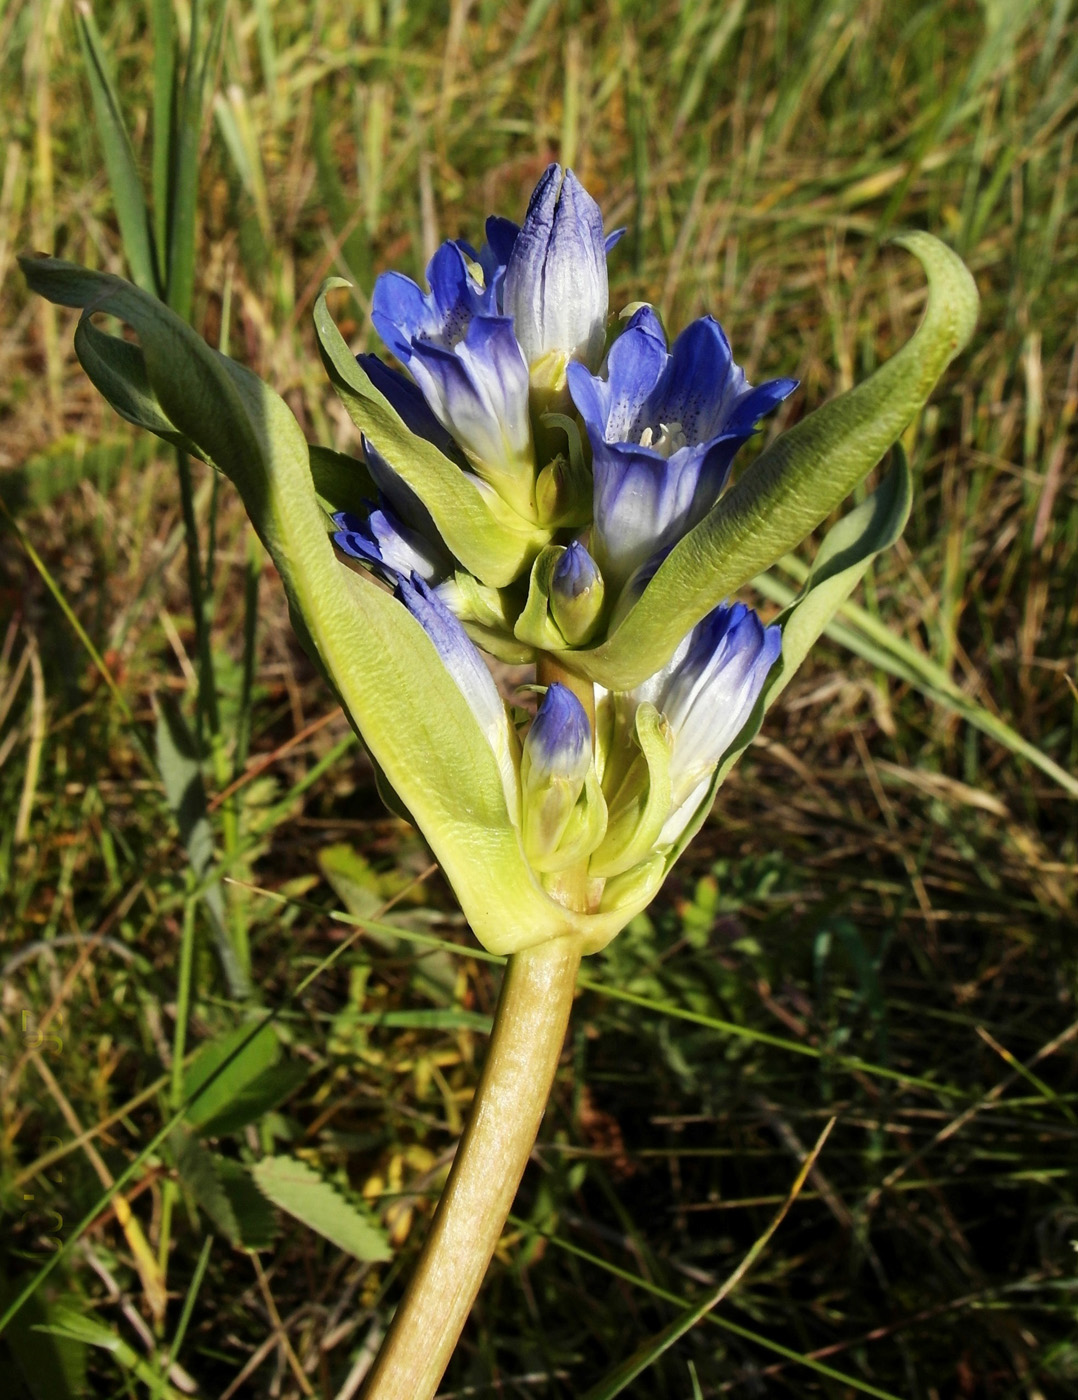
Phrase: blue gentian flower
[706,692]
[664,428]
[464,662]
[555,279]
[466,361]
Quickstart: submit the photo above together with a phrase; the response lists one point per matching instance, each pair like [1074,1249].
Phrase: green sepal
[490,540]
[624,897]
[582,832]
[842,560]
[641,805]
[792,486]
[535,626]
[379,661]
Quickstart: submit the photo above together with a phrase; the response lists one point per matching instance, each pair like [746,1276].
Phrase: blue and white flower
[466,361]
[555,280]
[464,662]
[706,692]
[664,428]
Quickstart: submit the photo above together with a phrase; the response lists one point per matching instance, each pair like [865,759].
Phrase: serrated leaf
[254,1215]
[298,1189]
[794,485]
[198,1172]
[225,1191]
[224,1068]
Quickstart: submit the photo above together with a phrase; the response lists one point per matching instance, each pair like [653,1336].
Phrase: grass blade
[127,192]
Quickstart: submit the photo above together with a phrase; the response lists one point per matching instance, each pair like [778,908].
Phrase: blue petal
[700,383]
[400,311]
[757,403]
[501,235]
[406,397]
[404,315]
[643,503]
[392,548]
[479,391]
[613,239]
[465,664]
[710,694]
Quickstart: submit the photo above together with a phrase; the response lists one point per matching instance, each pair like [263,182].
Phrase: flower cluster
[608,451]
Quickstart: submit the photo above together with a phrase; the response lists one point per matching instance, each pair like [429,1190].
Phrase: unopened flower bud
[553,767]
[576,595]
[555,284]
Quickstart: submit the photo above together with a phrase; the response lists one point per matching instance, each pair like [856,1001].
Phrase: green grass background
[876,925]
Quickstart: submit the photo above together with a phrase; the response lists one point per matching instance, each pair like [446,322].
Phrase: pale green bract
[381,664]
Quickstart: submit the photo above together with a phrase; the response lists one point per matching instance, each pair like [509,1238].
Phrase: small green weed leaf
[198,1172]
[794,485]
[225,1190]
[225,1068]
[364,893]
[256,1218]
[494,546]
[264,1093]
[299,1190]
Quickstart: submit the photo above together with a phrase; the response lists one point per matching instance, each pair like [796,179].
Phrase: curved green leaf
[489,539]
[794,485]
[841,562]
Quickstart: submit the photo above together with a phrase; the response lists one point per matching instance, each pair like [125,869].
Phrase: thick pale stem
[525,1046]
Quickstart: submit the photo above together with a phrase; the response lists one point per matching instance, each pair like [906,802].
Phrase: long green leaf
[127,192]
[795,484]
[841,562]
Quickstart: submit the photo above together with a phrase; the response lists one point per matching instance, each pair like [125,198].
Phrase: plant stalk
[525,1046]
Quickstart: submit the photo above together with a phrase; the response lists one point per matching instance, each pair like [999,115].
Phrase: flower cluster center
[668,439]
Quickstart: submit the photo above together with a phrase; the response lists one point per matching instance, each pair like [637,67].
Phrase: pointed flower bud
[553,767]
[576,595]
[706,692]
[555,282]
